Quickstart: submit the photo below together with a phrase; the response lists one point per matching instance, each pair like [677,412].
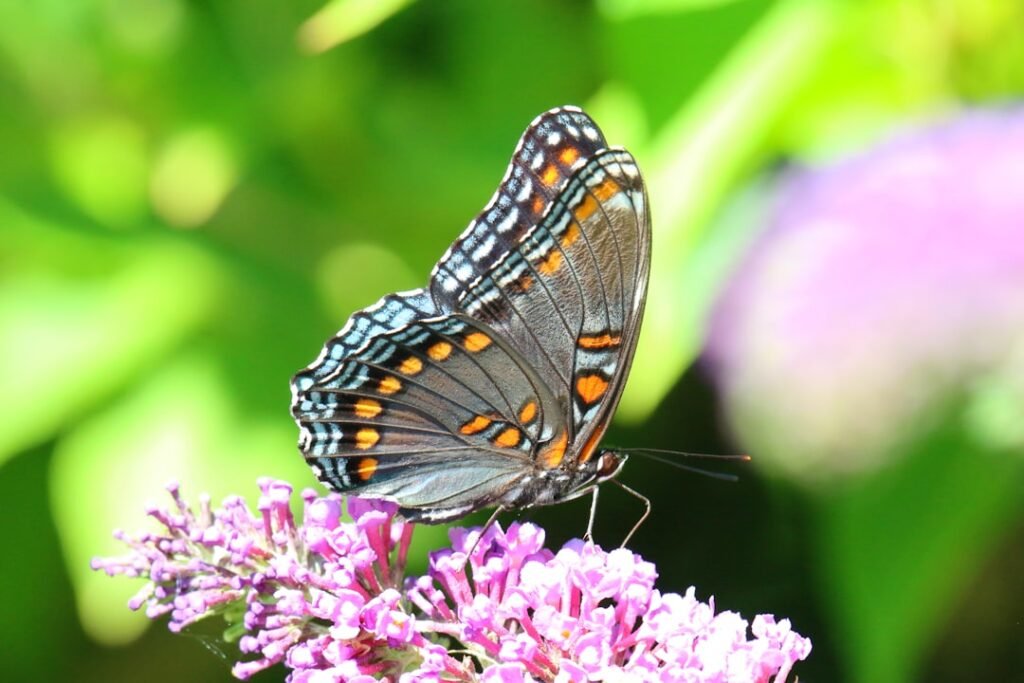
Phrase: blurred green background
[195,195]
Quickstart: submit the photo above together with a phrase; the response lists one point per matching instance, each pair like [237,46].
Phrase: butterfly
[493,385]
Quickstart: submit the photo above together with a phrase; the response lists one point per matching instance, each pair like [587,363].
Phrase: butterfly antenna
[689,454]
[657,453]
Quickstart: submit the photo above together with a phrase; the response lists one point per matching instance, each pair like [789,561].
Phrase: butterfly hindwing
[428,486]
[390,312]
[433,392]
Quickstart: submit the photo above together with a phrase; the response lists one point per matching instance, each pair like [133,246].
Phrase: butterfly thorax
[547,487]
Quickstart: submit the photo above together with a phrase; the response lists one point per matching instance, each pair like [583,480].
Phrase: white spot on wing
[524,193]
[485,248]
[508,222]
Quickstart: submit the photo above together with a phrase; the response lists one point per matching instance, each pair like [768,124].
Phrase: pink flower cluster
[330,600]
[881,291]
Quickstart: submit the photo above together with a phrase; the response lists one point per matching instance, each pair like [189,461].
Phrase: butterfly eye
[608,465]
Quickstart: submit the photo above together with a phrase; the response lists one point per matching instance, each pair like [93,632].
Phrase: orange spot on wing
[609,188]
[569,155]
[590,447]
[367,408]
[477,424]
[476,341]
[365,468]
[367,437]
[411,366]
[509,438]
[552,455]
[550,175]
[389,385]
[523,283]
[550,263]
[440,351]
[528,412]
[590,388]
[572,233]
[586,209]
[599,341]
[538,204]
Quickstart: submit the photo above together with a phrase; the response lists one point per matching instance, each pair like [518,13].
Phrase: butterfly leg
[589,536]
[643,518]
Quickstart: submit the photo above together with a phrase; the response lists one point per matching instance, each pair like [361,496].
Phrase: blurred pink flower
[329,599]
[879,287]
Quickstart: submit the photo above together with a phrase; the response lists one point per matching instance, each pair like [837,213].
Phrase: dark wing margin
[390,312]
[554,146]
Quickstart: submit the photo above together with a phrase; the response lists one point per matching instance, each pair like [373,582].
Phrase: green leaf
[898,548]
[80,315]
[693,163]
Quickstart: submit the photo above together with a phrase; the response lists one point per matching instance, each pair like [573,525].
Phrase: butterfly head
[562,484]
[579,480]
[604,465]
[608,464]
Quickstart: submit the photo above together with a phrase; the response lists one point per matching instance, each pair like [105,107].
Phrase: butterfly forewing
[508,367]
[618,234]
[570,295]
